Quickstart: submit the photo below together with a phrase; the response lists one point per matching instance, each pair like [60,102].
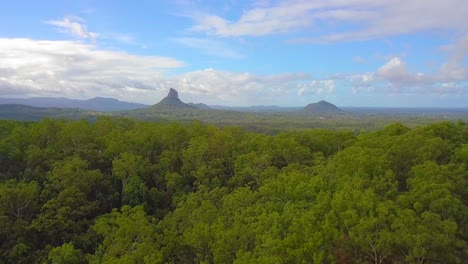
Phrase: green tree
[19,200]
[128,237]
[66,254]
[131,169]
[18,206]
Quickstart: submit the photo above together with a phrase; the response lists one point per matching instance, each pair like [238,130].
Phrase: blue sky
[395,53]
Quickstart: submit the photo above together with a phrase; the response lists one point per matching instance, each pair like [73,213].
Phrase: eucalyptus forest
[117,190]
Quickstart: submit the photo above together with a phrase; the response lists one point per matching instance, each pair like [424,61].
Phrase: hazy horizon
[288,53]
[258,105]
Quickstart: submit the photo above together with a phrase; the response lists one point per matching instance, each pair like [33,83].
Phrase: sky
[375,53]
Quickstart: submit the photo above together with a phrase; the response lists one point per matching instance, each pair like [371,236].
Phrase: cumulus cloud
[68,68]
[395,77]
[366,19]
[400,80]
[217,86]
[362,82]
[74,26]
[396,72]
[317,87]
[72,69]
[78,70]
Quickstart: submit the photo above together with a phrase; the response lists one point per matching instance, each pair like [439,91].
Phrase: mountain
[34,113]
[200,106]
[109,104]
[95,104]
[322,107]
[172,101]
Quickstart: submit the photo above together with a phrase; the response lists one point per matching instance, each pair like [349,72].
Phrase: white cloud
[362,82]
[258,21]
[322,20]
[77,70]
[396,72]
[450,88]
[73,26]
[394,76]
[67,68]
[317,87]
[72,69]
[216,86]
[453,69]
[447,79]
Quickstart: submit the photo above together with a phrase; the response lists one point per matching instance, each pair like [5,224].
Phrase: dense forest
[123,191]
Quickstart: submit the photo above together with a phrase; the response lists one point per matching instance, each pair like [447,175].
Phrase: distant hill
[110,104]
[34,113]
[322,107]
[172,101]
[200,106]
[95,104]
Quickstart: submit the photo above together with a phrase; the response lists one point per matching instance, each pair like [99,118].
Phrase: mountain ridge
[36,113]
[200,106]
[172,100]
[103,104]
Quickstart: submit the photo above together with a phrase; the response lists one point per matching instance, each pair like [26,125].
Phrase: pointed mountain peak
[172,101]
[173,94]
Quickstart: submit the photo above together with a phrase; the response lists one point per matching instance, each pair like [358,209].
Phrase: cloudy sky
[401,53]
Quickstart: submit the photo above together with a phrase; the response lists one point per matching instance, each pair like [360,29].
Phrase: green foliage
[129,237]
[66,254]
[19,200]
[125,191]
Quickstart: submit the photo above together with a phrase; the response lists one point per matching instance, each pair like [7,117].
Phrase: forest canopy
[123,191]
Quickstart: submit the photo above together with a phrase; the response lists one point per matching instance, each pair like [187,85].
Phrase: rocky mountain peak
[172,101]
[173,94]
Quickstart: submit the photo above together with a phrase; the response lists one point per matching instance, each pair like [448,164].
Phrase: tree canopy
[123,191]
